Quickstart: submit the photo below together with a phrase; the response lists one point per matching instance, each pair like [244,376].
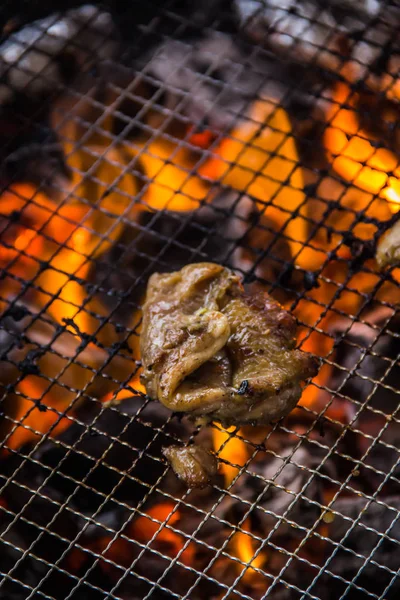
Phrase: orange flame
[170,169]
[260,158]
[144,528]
[63,238]
[356,155]
[231,449]
[101,165]
[243,547]
[121,551]
[33,421]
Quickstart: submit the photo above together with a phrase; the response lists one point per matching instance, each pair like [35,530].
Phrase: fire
[52,246]
[170,170]
[114,397]
[244,549]
[356,155]
[122,550]
[230,448]
[260,158]
[35,420]
[105,173]
[144,529]
[374,177]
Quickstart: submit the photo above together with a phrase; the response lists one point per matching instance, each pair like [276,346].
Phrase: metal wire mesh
[305,508]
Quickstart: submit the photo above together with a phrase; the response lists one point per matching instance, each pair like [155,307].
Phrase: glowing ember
[202,139]
[144,529]
[32,421]
[121,550]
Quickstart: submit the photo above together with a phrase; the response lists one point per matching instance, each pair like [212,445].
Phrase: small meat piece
[193,465]
[388,250]
[213,351]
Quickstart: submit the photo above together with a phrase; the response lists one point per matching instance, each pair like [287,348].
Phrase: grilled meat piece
[212,351]
[193,465]
[388,250]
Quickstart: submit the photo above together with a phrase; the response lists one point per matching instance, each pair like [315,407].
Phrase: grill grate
[307,508]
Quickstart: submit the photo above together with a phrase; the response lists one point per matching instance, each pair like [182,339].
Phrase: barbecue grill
[139,140]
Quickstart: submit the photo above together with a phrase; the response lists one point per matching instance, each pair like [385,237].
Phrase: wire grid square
[293,557]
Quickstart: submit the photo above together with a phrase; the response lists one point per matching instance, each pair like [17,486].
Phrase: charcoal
[315,33]
[228,230]
[38,508]
[102,456]
[37,493]
[35,510]
[16,14]
[365,350]
[210,78]
[193,14]
[212,233]
[38,346]
[275,482]
[36,61]
[39,163]
[29,571]
[46,53]
[363,539]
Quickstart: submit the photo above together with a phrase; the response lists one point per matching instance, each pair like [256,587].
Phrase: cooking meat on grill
[193,465]
[214,352]
[388,250]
